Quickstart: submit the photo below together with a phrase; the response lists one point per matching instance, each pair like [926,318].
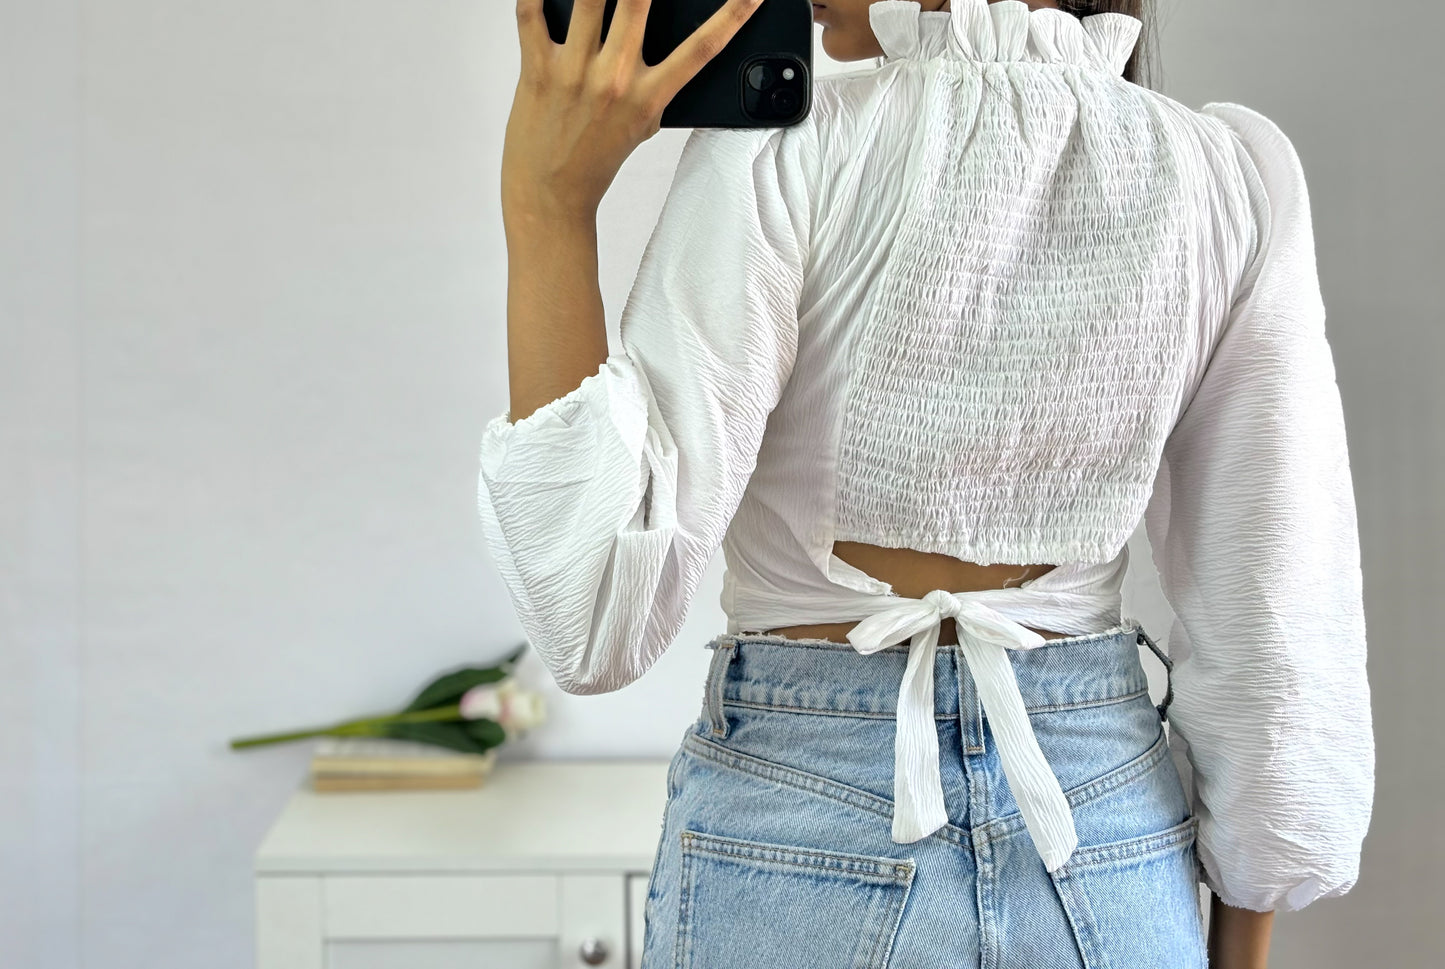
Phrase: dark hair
[1142,68]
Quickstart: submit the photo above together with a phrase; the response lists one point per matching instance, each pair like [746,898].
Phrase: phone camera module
[775,88]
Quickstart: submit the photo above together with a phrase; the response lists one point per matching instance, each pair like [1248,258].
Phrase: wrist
[1238,937]
[526,208]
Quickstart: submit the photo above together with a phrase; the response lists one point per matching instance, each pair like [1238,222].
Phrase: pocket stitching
[891,870]
[1127,771]
[1075,901]
[1091,790]
[696,843]
[1084,935]
[1142,846]
[794,777]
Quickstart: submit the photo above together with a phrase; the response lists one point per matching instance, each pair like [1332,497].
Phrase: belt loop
[1168,673]
[723,652]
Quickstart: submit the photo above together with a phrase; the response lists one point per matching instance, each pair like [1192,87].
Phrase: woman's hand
[580,109]
[582,106]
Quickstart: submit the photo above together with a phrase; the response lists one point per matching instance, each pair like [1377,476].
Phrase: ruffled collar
[1006,30]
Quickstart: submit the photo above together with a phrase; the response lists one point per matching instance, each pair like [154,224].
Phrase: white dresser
[544,867]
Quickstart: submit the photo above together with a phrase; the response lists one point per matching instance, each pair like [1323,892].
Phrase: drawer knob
[593,951]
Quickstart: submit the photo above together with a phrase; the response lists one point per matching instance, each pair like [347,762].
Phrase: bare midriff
[913,574]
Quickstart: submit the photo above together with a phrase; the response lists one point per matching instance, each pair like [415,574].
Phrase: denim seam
[889,715]
[988,927]
[883,868]
[1083,926]
[1085,704]
[888,927]
[832,711]
[823,711]
[1139,847]
[807,781]
[992,830]
[1090,790]
[681,939]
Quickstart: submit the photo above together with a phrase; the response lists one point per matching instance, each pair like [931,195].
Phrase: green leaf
[486,731]
[449,687]
[468,736]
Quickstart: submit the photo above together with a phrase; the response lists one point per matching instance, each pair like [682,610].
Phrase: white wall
[1358,90]
[40,478]
[252,289]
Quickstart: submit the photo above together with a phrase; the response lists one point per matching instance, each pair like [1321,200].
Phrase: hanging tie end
[1056,856]
[907,830]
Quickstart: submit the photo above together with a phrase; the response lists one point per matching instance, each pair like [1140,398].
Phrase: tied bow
[983,635]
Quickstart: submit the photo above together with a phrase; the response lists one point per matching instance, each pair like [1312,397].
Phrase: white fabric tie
[983,635]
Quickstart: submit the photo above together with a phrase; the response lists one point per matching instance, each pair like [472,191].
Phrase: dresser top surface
[527,816]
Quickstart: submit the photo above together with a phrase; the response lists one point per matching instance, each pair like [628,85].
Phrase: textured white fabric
[994,301]
[918,795]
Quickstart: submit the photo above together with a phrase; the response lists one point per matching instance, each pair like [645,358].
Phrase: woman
[920,365]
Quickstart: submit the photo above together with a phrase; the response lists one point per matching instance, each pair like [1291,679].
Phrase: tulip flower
[517,710]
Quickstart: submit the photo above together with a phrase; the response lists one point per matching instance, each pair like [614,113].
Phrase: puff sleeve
[602,508]
[1253,529]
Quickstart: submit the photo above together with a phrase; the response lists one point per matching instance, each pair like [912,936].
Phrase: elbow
[579,684]
[572,668]
[594,610]
[1285,889]
[596,661]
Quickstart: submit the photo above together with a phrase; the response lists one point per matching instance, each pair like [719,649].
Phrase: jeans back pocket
[747,904]
[1135,902]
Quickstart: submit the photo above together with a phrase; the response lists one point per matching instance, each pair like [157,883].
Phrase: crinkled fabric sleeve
[1253,529]
[602,508]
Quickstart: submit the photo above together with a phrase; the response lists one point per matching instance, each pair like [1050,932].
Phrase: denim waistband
[828,677]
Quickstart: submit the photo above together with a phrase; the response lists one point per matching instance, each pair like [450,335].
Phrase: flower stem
[362,727]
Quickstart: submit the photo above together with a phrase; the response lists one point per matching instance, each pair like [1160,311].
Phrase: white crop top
[990,300]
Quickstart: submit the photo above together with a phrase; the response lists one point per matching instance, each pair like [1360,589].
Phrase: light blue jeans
[776,852]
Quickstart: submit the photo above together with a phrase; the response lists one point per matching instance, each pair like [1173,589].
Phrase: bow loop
[987,625]
[882,629]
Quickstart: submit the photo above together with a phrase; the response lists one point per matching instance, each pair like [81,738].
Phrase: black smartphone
[761,79]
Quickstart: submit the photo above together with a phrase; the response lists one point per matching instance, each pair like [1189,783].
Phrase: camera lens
[785,100]
[760,76]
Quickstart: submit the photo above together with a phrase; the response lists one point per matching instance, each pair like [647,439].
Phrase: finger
[629,25]
[584,29]
[701,46]
[532,32]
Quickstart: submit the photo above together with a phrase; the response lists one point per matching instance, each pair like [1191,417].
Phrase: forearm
[556,328]
[1238,937]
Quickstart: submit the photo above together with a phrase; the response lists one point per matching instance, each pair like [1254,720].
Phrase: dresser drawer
[439,906]
[443,954]
[545,867]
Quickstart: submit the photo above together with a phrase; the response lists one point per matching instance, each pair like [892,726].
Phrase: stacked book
[384,764]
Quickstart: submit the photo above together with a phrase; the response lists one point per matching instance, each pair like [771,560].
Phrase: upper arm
[603,508]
